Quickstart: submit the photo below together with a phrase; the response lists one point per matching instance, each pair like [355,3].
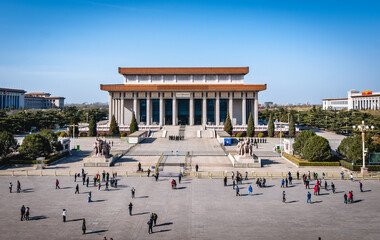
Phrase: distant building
[11,98]
[43,100]
[355,100]
[268,104]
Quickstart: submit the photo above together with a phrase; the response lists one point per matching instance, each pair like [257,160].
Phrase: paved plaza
[198,209]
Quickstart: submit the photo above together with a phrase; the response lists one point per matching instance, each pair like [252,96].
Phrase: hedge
[260,135]
[16,159]
[351,167]
[301,163]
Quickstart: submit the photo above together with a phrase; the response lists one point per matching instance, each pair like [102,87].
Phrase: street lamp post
[73,125]
[363,129]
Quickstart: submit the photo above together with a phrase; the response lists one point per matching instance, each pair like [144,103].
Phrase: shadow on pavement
[74,220]
[37,218]
[142,213]
[164,230]
[99,231]
[164,224]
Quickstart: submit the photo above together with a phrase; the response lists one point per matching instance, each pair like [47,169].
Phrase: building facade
[43,101]
[186,96]
[355,100]
[11,98]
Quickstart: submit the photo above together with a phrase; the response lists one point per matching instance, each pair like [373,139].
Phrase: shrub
[228,125]
[123,134]
[351,148]
[114,128]
[239,134]
[260,135]
[300,162]
[251,126]
[300,140]
[8,143]
[34,146]
[317,148]
[281,134]
[103,134]
[83,134]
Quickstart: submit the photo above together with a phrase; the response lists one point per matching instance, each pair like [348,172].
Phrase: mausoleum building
[183,96]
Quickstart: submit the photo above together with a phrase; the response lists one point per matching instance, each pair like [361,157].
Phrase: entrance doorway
[183,111]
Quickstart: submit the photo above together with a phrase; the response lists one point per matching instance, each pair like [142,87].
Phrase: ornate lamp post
[363,129]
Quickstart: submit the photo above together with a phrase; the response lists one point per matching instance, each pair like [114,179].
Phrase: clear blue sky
[304,50]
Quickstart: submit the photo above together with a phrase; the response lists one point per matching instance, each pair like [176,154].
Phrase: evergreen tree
[92,127]
[228,125]
[8,144]
[133,127]
[250,127]
[292,126]
[34,146]
[317,148]
[300,140]
[270,126]
[114,128]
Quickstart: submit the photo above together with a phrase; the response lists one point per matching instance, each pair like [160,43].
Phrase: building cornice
[183,87]
[184,70]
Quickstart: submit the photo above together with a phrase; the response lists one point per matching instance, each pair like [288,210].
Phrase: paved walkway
[198,209]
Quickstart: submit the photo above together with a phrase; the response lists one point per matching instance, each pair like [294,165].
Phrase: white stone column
[109,108]
[161,108]
[217,109]
[204,109]
[174,110]
[192,109]
[122,111]
[135,110]
[244,110]
[256,109]
[231,106]
[148,108]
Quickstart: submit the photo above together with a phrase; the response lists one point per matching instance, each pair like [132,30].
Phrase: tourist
[308,197]
[298,175]
[94,181]
[233,184]
[318,189]
[75,177]
[115,183]
[150,225]
[283,197]
[89,196]
[361,186]
[315,190]
[87,181]
[27,213]
[83,178]
[77,189]
[196,167]
[333,187]
[148,172]
[286,182]
[133,190]
[264,181]
[130,206]
[246,175]
[349,197]
[107,176]
[22,212]
[237,191]
[155,218]
[99,185]
[326,186]
[351,177]
[84,226]
[225,181]
[18,186]
[10,187]
[323,175]
[64,214]
[139,167]
[156,176]
[342,175]
[104,176]
[250,190]
[57,184]
[107,189]
[290,180]
[345,198]
[179,178]
[282,183]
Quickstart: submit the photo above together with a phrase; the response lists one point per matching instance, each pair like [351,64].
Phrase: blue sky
[303,50]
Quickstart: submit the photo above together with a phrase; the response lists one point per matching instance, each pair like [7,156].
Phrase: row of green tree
[334,120]
[35,145]
[22,121]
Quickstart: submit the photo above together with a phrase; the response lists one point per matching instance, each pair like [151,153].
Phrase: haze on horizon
[303,50]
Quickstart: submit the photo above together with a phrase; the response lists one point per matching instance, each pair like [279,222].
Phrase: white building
[355,100]
[43,100]
[11,98]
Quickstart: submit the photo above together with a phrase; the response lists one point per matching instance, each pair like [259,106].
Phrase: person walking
[250,190]
[351,177]
[10,187]
[107,186]
[150,225]
[286,182]
[342,175]
[148,172]
[196,167]
[77,189]
[57,184]
[130,206]
[282,183]
[237,191]
[318,189]
[232,175]
[179,177]
[225,181]
[308,197]
[326,186]
[345,198]
[133,191]
[84,226]
[283,197]
[315,190]
[361,186]
[18,188]
[246,175]
[333,187]
[233,184]
[99,185]
[155,218]
[157,174]
[64,214]
[298,175]
[87,181]
[75,177]
[89,196]
[27,213]
[22,212]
